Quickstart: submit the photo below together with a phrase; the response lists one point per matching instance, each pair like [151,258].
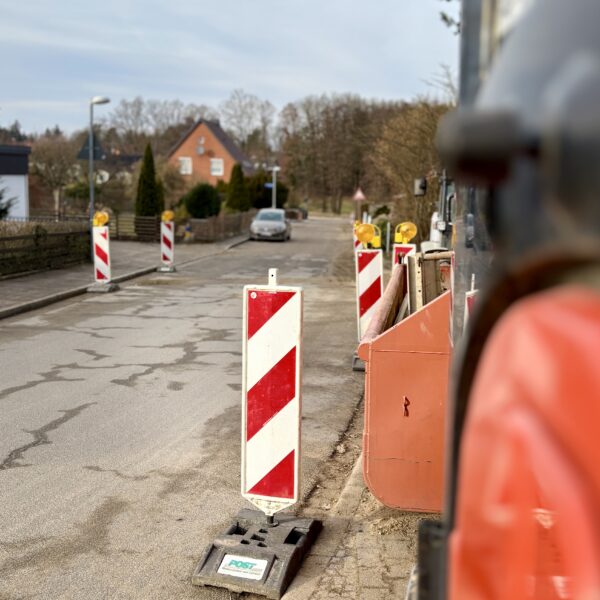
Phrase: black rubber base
[257,557]
[103,288]
[357,364]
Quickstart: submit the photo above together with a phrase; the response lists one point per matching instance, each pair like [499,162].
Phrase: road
[120,418]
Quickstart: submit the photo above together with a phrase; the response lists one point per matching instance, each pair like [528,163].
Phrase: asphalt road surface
[120,418]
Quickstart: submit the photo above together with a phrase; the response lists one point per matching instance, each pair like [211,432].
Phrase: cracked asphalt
[120,418]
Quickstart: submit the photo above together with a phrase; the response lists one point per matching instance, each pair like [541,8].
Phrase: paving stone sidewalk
[365,552]
[129,259]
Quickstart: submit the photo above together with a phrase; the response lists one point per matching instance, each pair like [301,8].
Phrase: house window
[217,169]
[185,165]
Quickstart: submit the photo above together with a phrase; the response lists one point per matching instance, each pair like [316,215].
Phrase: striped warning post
[101,254]
[469,303]
[369,286]
[402,250]
[357,242]
[167,243]
[271,396]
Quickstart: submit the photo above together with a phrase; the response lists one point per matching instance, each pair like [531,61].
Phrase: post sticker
[243,566]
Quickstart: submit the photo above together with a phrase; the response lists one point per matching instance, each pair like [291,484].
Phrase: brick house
[207,153]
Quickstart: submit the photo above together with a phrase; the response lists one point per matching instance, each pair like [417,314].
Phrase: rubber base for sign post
[357,364]
[165,269]
[256,557]
[103,288]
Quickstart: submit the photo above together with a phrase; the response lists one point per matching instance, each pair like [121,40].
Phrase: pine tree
[148,199]
[5,205]
[238,195]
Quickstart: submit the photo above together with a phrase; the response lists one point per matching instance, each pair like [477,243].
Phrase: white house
[14,178]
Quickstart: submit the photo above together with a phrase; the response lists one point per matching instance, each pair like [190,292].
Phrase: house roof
[14,160]
[215,128]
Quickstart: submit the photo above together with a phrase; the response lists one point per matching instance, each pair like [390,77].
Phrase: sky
[57,54]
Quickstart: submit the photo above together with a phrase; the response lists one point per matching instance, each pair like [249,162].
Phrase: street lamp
[275,170]
[94,100]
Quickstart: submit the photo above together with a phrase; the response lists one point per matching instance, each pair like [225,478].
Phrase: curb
[351,494]
[335,528]
[238,243]
[78,291]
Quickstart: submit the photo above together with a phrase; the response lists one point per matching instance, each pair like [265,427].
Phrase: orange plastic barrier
[527,522]
[406,387]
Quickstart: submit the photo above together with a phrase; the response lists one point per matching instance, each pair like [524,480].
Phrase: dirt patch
[342,268]
[337,469]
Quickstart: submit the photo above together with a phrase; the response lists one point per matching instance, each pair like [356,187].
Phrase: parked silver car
[270,224]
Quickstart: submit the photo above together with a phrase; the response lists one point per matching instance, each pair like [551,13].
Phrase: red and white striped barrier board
[369,286]
[402,250]
[469,303]
[101,254]
[167,243]
[271,395]
[357,242]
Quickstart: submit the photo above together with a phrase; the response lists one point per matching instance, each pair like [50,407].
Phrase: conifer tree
[238,195]
[148,199]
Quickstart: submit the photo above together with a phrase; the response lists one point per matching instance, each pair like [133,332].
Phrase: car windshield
[269,216]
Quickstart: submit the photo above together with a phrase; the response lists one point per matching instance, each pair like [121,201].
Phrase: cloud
[63,53]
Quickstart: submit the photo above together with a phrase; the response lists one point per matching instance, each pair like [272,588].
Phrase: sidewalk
[366,551]
[129,260]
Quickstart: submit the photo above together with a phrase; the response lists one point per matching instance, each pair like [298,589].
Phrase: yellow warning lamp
[100,218]
[167,215]
[405,232]
[376,241]
[365,233]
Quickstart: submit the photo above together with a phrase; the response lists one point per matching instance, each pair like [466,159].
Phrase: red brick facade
[206,154]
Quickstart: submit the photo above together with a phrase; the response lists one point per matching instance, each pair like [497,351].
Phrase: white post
[274,189]
[387,236]
[273,277]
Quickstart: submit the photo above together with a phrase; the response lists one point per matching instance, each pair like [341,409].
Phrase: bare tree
[53,161]
[138,122]
[240,115]
[406,151]
[326,141]
[449,20]
[445,81]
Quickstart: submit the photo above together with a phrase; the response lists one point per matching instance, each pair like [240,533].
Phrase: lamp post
[275,170]
[94,100]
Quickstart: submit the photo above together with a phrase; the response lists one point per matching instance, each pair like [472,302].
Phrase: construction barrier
[255,554]
[167,246]
[369,286]
[399,251]
[357,242]
[101,241]
[405,392]
[167,243]
[271,395]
